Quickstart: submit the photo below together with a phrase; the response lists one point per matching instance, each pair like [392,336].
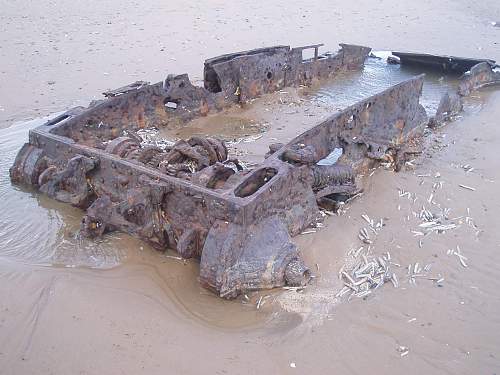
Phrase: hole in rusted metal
[255,182]
[170,105]
[332,157]
[308,54]
[212,81]
[57,120]
[136,214]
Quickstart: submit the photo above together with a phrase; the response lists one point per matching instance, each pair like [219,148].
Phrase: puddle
[223,126]
[377,75]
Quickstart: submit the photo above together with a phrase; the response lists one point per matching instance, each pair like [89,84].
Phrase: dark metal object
[447,64]
[189,197]
[246,75]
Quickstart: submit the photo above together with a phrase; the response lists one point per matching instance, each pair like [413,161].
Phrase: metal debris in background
[476,74]
[190,196]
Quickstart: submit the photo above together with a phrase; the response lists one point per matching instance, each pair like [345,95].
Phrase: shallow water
[40,231]
[377,75]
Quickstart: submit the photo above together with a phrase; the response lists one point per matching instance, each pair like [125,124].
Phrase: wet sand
[119,307]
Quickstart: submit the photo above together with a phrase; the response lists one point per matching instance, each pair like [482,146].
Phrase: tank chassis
[190,197]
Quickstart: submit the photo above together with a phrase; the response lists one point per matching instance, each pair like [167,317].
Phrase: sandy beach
[117,306]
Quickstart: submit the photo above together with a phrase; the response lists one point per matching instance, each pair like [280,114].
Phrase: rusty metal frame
[239,225]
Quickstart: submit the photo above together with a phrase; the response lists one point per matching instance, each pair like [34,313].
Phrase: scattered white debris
[459,255]
[152,137]
[403,350]
[308,231]
[259,302]
[467,187]
[252,138]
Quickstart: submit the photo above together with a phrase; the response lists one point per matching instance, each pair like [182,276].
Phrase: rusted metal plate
[443,63]
[247,75]
[480,75]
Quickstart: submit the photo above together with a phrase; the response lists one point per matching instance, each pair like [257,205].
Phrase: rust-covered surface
[190,196]
[480,75]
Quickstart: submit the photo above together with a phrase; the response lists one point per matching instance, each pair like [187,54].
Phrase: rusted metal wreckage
[190,197]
